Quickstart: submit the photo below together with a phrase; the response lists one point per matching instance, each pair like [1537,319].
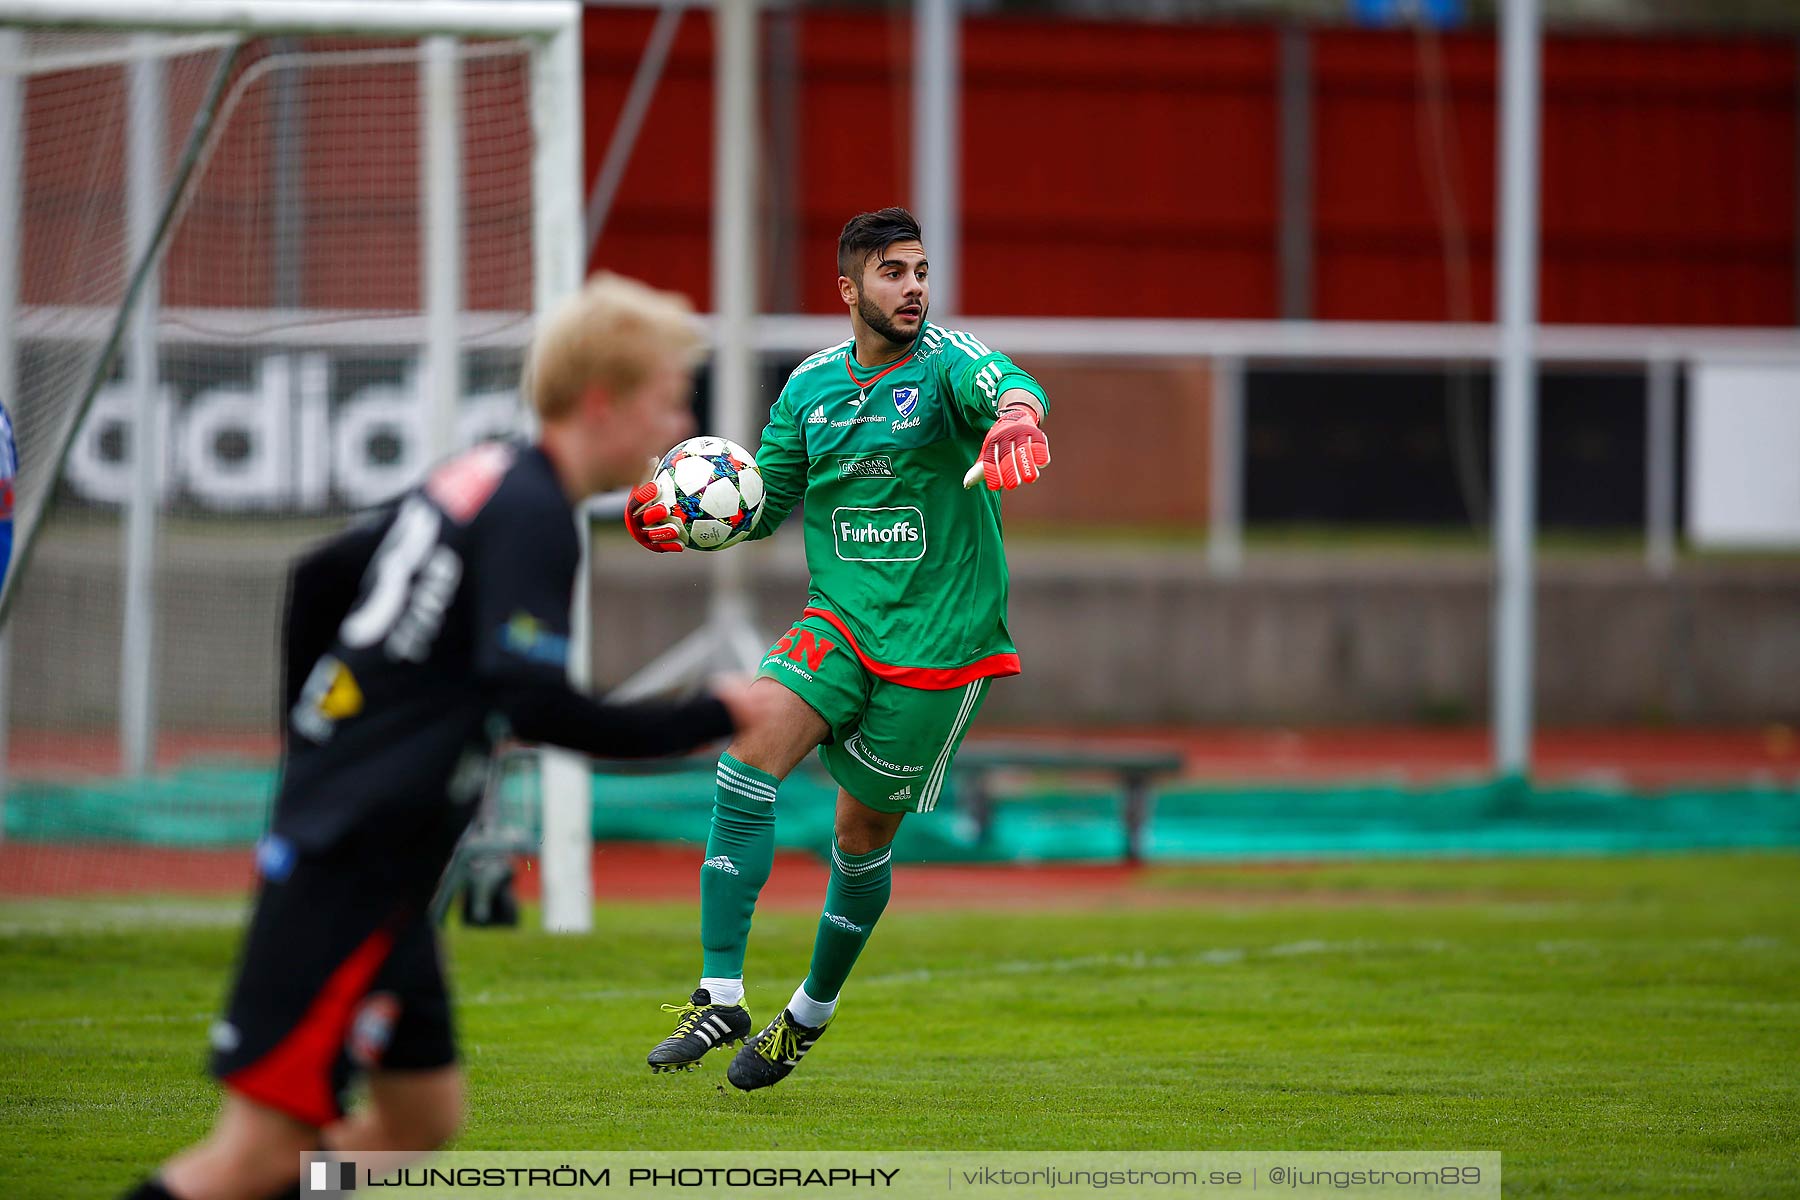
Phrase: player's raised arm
[521,624]
[994,394]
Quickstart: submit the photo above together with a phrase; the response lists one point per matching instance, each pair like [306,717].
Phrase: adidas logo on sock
[818,416]
[843,922]
[719,862]
[904,793]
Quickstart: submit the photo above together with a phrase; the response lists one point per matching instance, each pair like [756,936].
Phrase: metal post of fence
[144,197]
[1515,416]
[1225,540]
[441,200]
[1659,467]
[559,249]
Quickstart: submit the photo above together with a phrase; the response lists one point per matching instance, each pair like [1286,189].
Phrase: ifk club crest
[906,399]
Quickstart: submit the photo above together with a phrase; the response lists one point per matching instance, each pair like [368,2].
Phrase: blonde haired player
[412,644]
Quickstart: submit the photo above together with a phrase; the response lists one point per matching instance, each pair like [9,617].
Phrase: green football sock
[854,899]
[740,849]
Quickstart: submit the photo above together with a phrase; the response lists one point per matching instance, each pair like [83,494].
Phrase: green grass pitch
[1615,1027]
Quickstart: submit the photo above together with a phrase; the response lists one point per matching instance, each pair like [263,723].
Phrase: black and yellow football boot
[700,1026]
[768,1057]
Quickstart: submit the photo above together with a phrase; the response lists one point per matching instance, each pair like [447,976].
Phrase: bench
[1136,768]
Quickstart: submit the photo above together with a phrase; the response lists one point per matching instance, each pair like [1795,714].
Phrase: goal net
[253,281]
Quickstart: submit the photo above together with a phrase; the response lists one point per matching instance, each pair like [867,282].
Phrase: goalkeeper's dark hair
[868,234]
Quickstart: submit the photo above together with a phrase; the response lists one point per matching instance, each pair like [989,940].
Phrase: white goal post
[549,33]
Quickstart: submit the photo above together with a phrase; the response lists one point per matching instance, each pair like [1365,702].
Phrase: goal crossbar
[466,18]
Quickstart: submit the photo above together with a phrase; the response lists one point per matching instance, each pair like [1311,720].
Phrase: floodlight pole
[936,153]
[734,285]
[1515,416]
[1294,239]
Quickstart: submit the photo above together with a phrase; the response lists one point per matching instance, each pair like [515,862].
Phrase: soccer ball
[713,490]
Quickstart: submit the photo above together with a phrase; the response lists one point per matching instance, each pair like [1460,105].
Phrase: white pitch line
[1215,957]
[1218,956]
[37,918]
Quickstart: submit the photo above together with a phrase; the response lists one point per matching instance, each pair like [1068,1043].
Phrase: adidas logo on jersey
[719,862]
[818,416]
[904,793]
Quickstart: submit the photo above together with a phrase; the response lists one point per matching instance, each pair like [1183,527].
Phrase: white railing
[1232,346]
[799,334]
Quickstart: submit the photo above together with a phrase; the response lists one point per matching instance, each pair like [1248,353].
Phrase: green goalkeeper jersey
[907,564]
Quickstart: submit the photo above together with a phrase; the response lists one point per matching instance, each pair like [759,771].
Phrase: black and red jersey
[418,640]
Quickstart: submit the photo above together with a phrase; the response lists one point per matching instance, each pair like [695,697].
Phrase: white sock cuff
[724,991]
[809,1012]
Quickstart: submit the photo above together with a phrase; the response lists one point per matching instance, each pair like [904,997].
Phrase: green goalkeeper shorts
[890,745]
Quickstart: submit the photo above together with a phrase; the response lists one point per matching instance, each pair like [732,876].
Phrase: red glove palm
[1014,451]
[644,521]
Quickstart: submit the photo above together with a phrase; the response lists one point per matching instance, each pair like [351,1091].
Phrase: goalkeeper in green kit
[904,627]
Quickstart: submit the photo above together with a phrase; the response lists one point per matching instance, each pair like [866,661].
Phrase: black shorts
[340,973]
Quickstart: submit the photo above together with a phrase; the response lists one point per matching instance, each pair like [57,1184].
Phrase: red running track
[1642,757]
[623,872]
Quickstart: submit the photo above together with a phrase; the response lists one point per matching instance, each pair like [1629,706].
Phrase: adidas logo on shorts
[904,793]
[720,862]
